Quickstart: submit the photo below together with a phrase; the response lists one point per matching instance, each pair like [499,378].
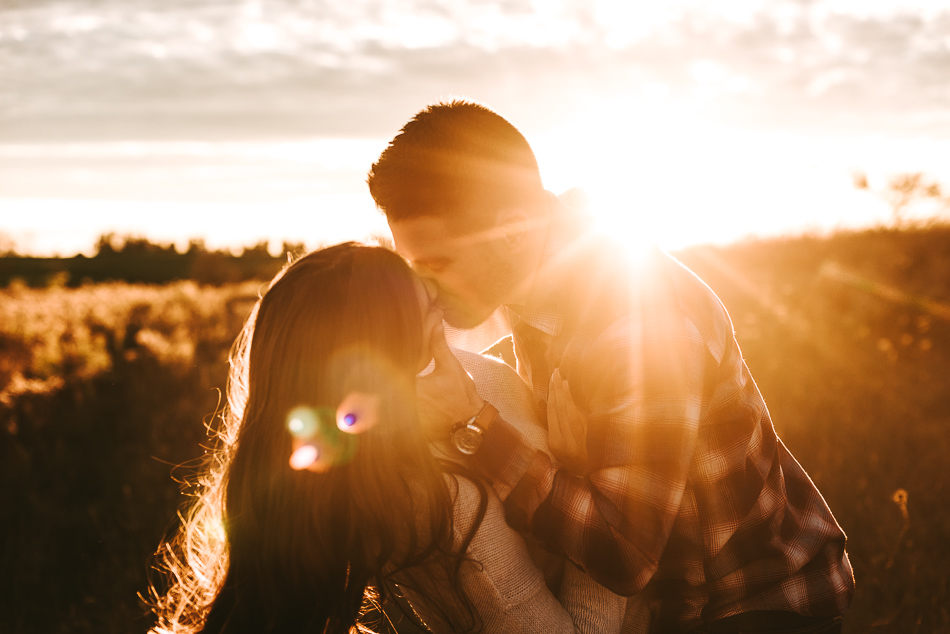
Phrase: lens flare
[304,457]
[357,413]
[303,422]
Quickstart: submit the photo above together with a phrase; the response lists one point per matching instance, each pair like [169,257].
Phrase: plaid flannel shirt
[687,487]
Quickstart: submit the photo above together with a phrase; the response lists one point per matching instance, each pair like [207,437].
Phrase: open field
[104,388]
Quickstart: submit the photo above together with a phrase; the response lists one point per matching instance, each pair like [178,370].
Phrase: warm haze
[236,122]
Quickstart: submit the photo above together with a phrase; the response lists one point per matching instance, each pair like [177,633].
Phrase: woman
[322,487]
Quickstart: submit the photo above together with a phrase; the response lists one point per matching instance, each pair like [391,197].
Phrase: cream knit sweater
[509,585]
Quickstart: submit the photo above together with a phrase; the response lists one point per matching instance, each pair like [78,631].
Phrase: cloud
[322,67]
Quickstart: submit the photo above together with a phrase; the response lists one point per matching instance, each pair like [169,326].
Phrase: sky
[686,121]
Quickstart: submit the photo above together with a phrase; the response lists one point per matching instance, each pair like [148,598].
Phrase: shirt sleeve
[643,382]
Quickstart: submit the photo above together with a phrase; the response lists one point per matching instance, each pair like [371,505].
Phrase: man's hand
[446,395]
[567,426]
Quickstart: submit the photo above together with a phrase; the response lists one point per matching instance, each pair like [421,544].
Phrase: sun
[624,160]
[653,174]
[657,172]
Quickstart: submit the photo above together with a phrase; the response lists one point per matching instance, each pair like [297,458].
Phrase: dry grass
[104,388]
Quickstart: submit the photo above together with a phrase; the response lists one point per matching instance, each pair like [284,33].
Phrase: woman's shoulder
[473,361]
[495,379]
[499,384]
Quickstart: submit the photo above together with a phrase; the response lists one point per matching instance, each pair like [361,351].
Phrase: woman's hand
[446,395]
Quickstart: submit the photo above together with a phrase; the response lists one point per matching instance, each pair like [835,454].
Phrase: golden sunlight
[640,168]
[656,173]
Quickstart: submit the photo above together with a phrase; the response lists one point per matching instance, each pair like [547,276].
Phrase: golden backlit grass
[104,388]
[848,339]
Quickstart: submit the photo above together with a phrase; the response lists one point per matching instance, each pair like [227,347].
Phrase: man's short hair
[452,158]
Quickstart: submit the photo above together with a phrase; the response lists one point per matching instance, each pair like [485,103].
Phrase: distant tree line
[139,260]
[907,190]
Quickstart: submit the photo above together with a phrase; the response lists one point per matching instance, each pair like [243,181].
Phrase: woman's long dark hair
[265,548]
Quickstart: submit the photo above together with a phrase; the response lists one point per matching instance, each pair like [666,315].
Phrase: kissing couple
[624,477]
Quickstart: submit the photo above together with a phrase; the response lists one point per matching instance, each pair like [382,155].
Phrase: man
[673,479]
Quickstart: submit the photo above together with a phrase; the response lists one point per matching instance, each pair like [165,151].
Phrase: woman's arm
[505,587]
[593,607]
[508,584]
